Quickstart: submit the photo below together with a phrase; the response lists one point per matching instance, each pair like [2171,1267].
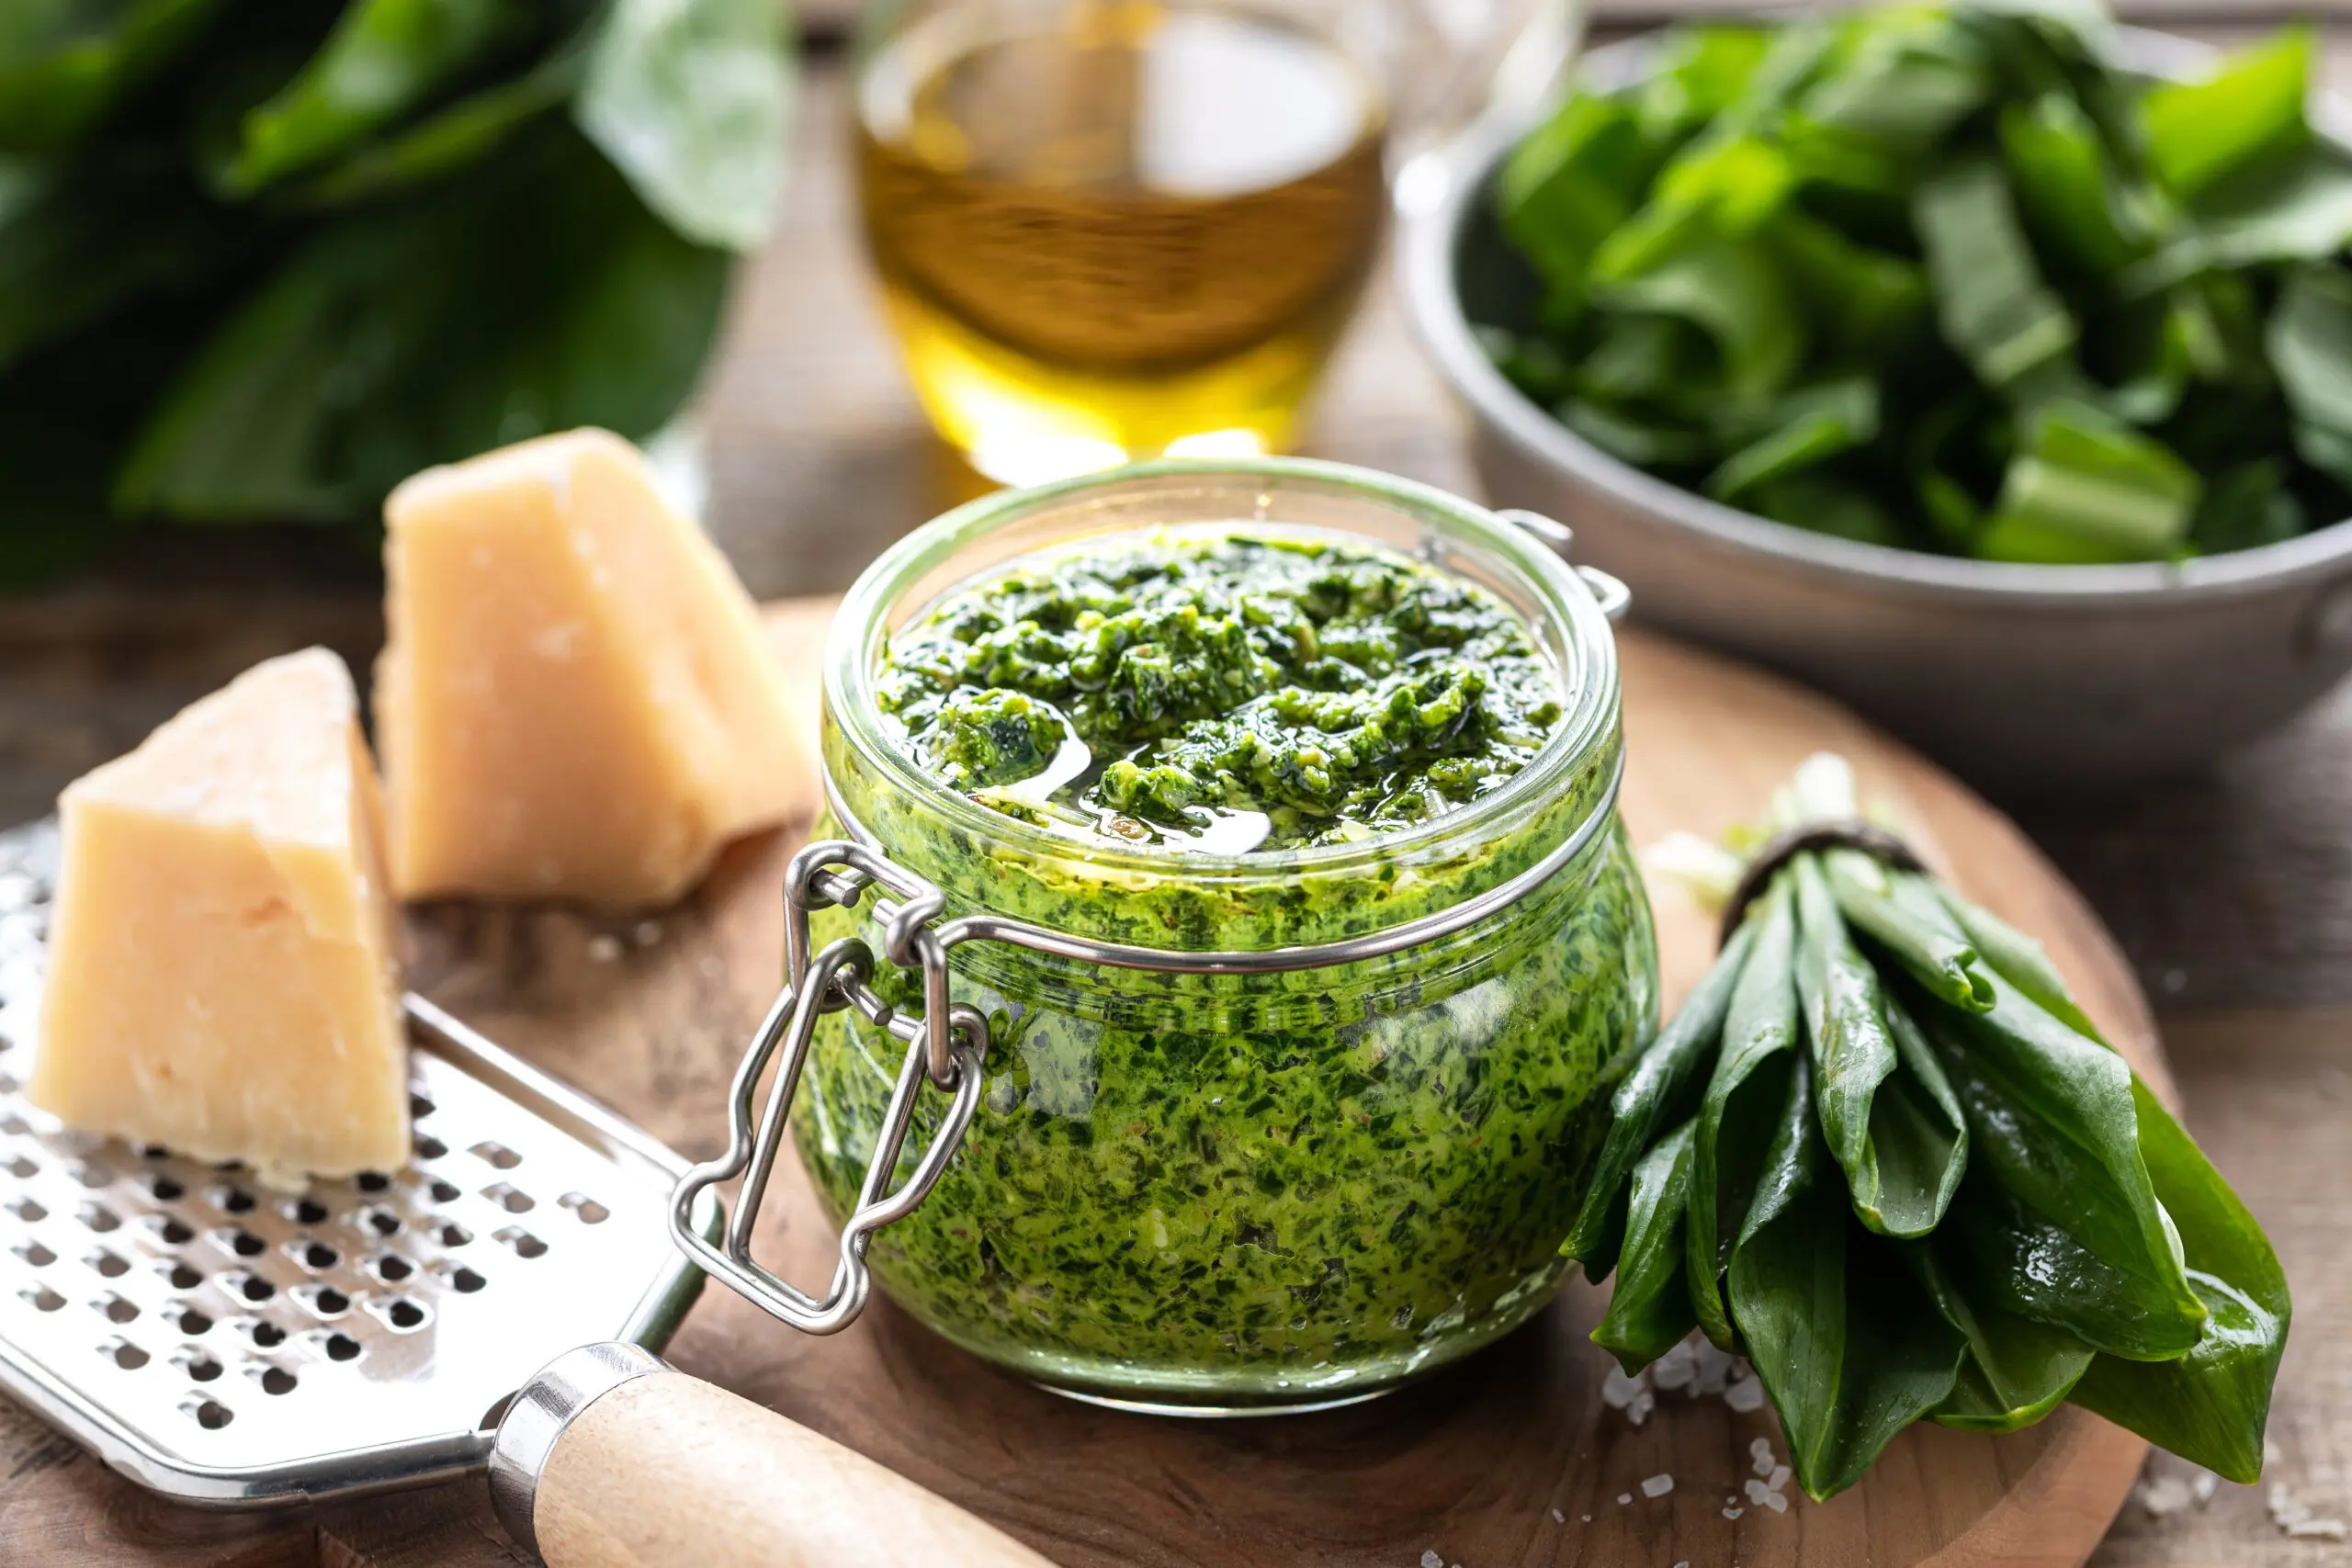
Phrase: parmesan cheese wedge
[575,701]
[223,964]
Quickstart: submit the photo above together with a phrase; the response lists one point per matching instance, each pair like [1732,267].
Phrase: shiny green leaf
[1817,423]
[2087,488]
[1738,1116]
[2016,957]
[688,98]
[1649,1310]
[2212,1406]
[2016,1371]
[1732,293]
[1841,1336]
[66,65]
[1995,309]
[1659,1081]
[2199,131]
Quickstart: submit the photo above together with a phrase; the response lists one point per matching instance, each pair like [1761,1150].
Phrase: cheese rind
[575,700]
[222,974]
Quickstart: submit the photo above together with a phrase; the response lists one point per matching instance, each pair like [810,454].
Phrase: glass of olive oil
[1109,229]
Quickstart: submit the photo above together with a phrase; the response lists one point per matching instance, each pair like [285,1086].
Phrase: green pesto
[1244,1191]
[1336,688]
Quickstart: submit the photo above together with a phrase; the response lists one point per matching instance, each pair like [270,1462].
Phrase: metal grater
[233,1346]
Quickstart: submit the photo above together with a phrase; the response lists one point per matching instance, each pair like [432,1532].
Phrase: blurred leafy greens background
[1949,279]
[261,261]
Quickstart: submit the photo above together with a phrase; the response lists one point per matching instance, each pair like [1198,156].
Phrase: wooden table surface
[2231,892]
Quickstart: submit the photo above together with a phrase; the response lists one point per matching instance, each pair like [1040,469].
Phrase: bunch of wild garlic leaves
[1880,1152]
[1946,277]
[260,261]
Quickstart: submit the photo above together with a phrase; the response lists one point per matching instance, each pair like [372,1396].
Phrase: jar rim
[1590,690]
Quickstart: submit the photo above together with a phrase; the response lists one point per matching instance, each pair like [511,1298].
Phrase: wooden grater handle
[659,1470]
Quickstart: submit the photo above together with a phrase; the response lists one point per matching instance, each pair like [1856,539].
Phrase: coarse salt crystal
[1777,1503]
[2317,1529]
[1746,1396]
[1733,1513]
[1758,1492]
[2162,1495]
[1658,1486]
[2204,1486]
[602,949]
[647,933]
[1639,1410]
[1778,1478]
[1559,1518]
[1623,1498]
[1432,1560]
[1760,1454]
[1676,1368]
[1617,1390]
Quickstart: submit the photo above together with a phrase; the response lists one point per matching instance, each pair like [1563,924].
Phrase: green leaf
[2199,131]
[2297,207]
[1842,1337]
[1650,1308]
[81,243]
[535,294]
[1730,292]
[1897,1135]
[2087,488]
[1823,504]
[1658,1080]
[2064,183]
[2016,1371]
[2016,957]
[1646,443]
[2246,506]
[1702,72]
[2310,339]
[383,59]
[1819,423]
[2212,1406]
[1991,301]
[1903,912]
[1721,187]
[689,99]
[2059,1214]
[1861,301]
[66,65]
[1908,82]
[1737,1117]
[1562,189]
[447,140]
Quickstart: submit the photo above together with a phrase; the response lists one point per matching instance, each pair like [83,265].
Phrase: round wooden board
[1511,1459]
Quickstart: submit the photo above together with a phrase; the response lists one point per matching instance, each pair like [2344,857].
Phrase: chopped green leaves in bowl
[1947,278]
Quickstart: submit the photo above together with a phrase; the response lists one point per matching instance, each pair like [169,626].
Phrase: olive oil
[1115,231]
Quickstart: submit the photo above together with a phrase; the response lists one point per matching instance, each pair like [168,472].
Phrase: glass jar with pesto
[1256,825]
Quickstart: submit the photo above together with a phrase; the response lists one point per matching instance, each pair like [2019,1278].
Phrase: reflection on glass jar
[1107,228]
[1265,1190]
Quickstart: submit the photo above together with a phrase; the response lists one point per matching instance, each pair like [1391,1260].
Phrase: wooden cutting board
[1515,1457]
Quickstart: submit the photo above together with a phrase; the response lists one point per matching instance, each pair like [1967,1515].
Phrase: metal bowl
[2019,678]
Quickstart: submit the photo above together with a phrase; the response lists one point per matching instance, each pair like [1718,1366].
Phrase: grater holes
[169,1231]
[524,1243]
[208,1414]
[454,1235]
[34,1253]
[183,1276]
[419,1108]
[168,1190]
[265,1334]
[402,1315]
[511,1199]
[100,1218]
[372,1181]
[430,1148]
[155,1151]
[90,1174]
[274,1380]
[391,1267]
[192,1322]
[8,1084]
[42,1298]
[244,1244]
[322,1301]
[337,1346]
[588,1211]
[27,1210]
[15,1126]
[251,1287]
[21,1167]
[314,1254]
[465,1281]
[232,1199]
[201,1365]
[124,1354]
[107,1265]
[492,1153]
[380,1220]
[118,1309]
[307,1212]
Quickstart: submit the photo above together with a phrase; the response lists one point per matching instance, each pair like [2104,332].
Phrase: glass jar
[1348,1154]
